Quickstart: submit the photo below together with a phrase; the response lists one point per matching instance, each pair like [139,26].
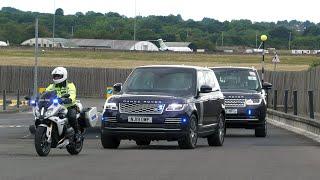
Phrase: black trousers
[72,118]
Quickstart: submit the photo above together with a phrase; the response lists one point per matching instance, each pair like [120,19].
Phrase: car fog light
[249,112]
[184,120]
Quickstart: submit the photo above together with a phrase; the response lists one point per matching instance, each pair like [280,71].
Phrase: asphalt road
[282,155]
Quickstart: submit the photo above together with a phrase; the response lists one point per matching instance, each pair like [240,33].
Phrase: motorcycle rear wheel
[75,148]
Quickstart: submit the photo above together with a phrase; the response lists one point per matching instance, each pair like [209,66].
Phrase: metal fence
[93,82]
[89,81]
[302,83]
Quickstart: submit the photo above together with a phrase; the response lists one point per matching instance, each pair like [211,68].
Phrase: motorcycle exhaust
[63,144]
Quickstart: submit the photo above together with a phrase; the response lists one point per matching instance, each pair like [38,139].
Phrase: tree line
[17,26]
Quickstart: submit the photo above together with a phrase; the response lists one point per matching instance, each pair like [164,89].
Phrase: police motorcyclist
[62,86]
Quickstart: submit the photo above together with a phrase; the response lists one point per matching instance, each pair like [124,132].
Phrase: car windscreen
[161,80]
[243,79]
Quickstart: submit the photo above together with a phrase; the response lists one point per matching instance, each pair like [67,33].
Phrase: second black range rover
[245,98]
[174,103]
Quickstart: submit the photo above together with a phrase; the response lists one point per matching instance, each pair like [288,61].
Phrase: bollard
[286,93]
[18,99]
[29,92]
[267,97]
[275,99]
[310,93]
[295,102]
[4,100]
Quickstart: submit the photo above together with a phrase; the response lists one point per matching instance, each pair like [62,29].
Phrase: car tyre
[261,131]
[189,141]
[110,142]
[217,139]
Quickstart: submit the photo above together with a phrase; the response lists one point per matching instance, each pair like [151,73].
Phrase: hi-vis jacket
[61,90]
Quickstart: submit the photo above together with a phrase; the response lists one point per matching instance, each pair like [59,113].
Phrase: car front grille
[134,108]
[235,102]
[112,119]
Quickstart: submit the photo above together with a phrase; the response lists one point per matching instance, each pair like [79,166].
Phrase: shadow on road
[240,136]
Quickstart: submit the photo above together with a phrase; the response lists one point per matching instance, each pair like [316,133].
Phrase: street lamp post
[263,39]
[35,80]
[135,23]
[289,41]
[54,22]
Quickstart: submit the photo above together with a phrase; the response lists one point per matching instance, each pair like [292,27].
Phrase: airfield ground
[120,59]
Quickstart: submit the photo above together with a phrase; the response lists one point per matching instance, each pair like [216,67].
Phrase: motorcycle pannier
[91,117]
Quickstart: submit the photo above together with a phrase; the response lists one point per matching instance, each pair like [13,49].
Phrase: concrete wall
[300,125]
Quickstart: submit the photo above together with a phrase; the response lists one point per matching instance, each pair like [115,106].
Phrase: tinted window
[245,79]
[173,81]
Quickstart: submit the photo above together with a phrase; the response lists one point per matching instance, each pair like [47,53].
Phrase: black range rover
[174,103]
[245,98]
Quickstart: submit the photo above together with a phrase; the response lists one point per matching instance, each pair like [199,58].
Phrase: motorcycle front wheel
[41,143]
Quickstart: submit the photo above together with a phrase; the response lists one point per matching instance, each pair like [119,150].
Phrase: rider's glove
[67,101]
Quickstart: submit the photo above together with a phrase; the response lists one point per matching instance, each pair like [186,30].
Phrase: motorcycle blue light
[55,101]
[33,103]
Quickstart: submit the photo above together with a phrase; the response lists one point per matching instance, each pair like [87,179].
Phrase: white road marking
[13,126]
[26,136]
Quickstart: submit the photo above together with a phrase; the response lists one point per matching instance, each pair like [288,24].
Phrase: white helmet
[59,75]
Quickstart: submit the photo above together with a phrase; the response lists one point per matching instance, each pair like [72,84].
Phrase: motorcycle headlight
[176,107]
[253,101]
[111,106]
[49,112]
[36,111]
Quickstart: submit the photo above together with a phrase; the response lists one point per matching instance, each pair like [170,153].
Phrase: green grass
[123,59]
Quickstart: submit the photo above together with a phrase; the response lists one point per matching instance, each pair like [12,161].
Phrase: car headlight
[176,107]
[253,101]
[111,106]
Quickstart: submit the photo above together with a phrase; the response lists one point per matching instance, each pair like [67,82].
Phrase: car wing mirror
[117,88]
[266,85]
[205,89]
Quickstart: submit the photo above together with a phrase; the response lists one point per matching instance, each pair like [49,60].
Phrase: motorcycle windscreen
[46,99]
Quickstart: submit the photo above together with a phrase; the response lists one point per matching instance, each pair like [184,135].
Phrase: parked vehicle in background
[245,98]
[174,103]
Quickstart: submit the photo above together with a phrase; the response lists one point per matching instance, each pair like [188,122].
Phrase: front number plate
[231,111]
[138,119]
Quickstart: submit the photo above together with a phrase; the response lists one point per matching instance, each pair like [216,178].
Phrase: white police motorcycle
[52,129]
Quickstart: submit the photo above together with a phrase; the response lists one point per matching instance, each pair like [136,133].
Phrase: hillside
[17,26]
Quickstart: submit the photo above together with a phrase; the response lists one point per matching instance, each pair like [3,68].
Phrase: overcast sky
[255,10]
